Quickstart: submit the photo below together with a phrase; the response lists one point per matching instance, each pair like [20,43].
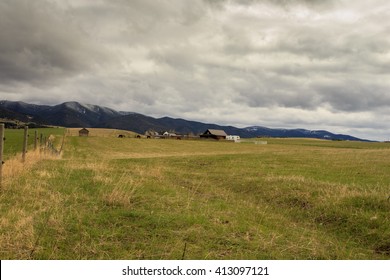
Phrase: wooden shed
[83,132]
[214,134]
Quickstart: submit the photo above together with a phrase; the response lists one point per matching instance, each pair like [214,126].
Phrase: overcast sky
[315,64]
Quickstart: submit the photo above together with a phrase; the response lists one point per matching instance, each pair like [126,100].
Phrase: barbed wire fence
[44,143]
[1,152]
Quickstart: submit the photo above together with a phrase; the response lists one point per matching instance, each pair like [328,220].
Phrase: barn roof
[217,132]
[83,130]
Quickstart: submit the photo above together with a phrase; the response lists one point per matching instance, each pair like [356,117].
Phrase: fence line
[46,145]
[1,152]
[35,139]
[25,139]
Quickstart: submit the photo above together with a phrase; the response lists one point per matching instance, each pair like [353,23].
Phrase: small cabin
[83,132]
[214,134]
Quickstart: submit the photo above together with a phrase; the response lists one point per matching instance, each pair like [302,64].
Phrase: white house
[169,134]
[234,138]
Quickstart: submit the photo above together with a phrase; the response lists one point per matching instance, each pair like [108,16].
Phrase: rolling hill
[75,114]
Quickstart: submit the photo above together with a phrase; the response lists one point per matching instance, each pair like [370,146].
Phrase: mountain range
[75,114]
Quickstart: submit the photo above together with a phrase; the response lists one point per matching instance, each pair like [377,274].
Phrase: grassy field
[111,198]
[14,139]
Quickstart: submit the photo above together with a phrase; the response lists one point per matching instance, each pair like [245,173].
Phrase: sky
[313,64]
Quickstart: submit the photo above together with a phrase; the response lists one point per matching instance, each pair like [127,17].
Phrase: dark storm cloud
[38,43]
[354,96]
[272,2]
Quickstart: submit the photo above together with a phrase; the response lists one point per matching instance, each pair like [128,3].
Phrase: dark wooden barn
[83,132]
[214,134]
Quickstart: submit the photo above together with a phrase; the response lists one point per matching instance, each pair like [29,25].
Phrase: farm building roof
[216,132]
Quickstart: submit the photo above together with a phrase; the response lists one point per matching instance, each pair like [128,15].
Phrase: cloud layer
[312,64]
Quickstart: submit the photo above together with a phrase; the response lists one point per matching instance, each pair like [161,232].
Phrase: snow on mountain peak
[84,107]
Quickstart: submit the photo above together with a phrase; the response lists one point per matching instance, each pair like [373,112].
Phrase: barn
[214,134]
[83,132]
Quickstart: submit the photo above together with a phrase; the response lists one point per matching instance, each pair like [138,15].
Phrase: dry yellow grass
[22,227]
[20,236]
[102,132]
[14,166]
[112,198]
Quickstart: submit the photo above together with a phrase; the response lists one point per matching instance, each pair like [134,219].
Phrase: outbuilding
[234,138]
[214,134]
[83,132]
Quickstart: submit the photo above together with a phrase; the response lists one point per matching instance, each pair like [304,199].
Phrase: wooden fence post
[44,144]
[1,152]
[62,144]
[25,143]
[35,139]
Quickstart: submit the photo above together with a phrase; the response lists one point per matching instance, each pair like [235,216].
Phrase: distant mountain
[141,123]
[74,114]
[298,133]
[8,114]
[69,114]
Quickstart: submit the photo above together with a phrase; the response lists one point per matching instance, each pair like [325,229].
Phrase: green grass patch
[13,143]
[111,198]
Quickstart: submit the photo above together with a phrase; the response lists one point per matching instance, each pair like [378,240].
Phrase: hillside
[74,114]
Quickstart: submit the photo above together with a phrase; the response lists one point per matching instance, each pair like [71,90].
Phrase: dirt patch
[383,249]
